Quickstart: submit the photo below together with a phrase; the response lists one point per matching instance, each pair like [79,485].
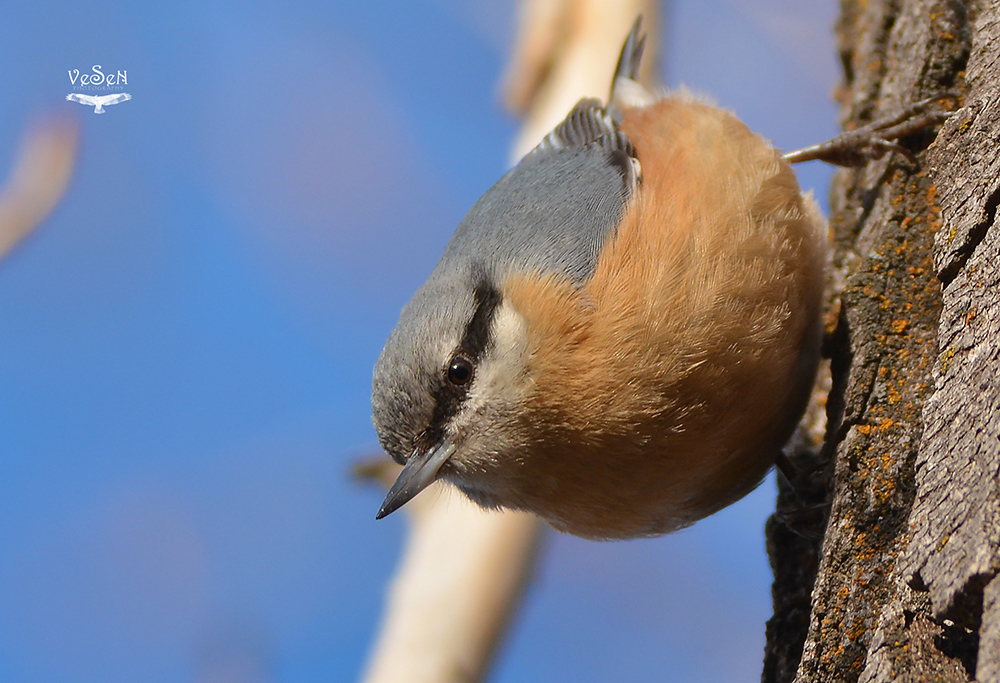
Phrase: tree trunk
[887,550]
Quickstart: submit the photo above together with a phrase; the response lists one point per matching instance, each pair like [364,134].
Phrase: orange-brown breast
[664,387]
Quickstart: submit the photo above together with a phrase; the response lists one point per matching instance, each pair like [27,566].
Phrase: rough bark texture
[886,553]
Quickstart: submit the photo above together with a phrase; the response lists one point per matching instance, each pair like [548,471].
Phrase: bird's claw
[877,138]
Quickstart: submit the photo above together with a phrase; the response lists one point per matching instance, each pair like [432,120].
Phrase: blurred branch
[464,570]
[460,580]
[39,179]
[566,50]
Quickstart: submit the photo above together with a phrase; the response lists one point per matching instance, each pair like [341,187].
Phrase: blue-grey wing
[554,210]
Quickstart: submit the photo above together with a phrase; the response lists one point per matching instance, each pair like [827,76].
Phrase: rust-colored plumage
[665,387]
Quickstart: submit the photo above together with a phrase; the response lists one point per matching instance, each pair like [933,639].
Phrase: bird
[623,332]
[98,101]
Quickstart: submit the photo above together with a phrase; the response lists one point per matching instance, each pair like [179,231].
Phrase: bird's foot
[879,137]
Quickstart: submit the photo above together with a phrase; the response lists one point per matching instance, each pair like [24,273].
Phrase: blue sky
[186,343]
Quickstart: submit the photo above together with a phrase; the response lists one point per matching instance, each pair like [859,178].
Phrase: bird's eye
[460,371]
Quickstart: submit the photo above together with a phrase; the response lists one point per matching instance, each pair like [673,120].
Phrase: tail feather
[626,91]
[631,55]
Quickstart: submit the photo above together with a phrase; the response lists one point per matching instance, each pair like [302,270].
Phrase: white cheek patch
[500,377]
[486,425]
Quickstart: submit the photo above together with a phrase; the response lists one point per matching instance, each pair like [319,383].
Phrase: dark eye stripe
[477,332]
[448,397]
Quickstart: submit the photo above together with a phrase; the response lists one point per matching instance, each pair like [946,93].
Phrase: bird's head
[450,385]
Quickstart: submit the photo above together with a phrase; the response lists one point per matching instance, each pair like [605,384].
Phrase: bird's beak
[420,471]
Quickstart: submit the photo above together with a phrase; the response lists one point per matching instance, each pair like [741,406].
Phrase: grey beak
[420,471]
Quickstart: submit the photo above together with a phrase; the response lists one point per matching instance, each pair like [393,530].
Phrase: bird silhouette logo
[100,101]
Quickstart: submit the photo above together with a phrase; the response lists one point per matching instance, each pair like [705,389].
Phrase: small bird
[98,101]
[623,331]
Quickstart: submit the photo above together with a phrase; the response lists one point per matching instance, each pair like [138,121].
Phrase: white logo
[98,102]
[97,80]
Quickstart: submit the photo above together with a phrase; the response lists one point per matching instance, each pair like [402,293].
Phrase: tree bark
[886,553]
